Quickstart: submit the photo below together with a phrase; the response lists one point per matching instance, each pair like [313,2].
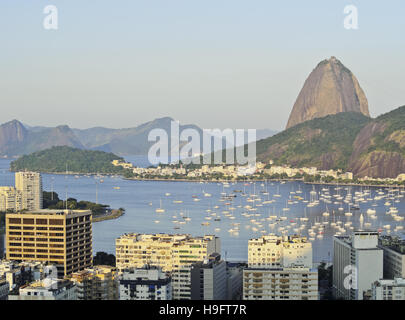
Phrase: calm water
[137,196]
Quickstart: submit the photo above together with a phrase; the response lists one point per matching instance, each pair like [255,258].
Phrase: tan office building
[59,237]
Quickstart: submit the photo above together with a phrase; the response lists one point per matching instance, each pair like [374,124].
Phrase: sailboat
[160,209]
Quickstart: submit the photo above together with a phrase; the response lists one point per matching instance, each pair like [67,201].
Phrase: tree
[103,258]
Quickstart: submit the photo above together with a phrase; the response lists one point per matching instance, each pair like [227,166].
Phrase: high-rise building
[394,256]
[357,264]
[147,283]
[97,283]
[173,253]
[10,199]
[209,279]
[280,268]
[388,289]
[29,184]
[60,237]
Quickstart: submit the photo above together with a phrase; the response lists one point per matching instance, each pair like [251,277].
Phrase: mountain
[12,134]
[379,148]
[129,141]
[325,143]
[331,88]
[16,139]
[348,140]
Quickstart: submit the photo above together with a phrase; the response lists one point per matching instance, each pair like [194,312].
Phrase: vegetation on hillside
[307,143]
[60,159]
[392,139]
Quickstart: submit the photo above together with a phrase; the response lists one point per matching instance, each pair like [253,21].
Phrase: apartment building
[42,290]
[279,251]
[59,237]
[29,184]
[388,289]
[209,279]
[97,283]
[10,199]
[280,268]
[280,284]
[147,283]
[173,253]
[357,264]
[394,256]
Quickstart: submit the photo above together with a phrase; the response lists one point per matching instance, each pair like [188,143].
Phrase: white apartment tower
[29,184]
[357,264]
[280,268]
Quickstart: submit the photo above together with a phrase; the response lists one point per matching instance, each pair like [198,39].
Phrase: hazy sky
[215,63]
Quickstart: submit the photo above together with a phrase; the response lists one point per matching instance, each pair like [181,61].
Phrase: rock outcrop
[331,88]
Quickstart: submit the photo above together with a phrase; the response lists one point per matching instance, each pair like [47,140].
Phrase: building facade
[172,253]
[357,264]
[29,184]
[394,256]
[97,283]
[280,284]
[275,251]
[389,289]
[41,290]
[209,279]
[10,199]
[60,237]
[147,283]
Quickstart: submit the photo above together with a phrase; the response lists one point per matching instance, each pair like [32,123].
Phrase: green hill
[56,159]
[379,148]
[325,143]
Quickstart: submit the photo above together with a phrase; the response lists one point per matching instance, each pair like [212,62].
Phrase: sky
[214,63]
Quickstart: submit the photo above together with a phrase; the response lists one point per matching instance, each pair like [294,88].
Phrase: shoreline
[223,180]
[110,215]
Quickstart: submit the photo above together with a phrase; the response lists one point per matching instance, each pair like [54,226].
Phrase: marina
[236,212]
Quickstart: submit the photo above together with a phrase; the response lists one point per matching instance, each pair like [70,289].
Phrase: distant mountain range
[17,139]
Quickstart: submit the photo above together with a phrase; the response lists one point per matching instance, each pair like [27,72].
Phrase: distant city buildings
[26,195]
[59,237]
